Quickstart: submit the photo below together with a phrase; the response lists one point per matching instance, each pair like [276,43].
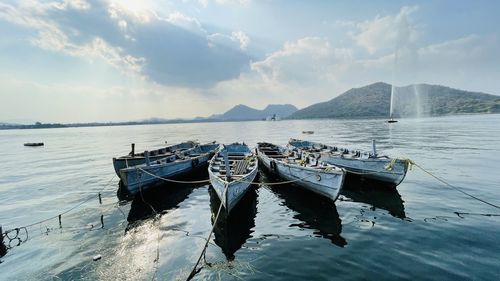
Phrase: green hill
[409,101]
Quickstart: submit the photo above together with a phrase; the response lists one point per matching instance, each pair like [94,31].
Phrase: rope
[456,188]
[171,180]
[68,210]
[158,233]
[194,271]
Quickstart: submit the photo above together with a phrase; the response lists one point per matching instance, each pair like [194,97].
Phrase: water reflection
[378,196]
[232,231]
[313,211]
[161,199]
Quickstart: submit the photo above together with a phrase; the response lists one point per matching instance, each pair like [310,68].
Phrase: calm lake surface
[278,233]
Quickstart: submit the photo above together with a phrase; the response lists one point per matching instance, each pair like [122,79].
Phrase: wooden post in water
[133,149]
[146,157]
[3,248]
[374,148]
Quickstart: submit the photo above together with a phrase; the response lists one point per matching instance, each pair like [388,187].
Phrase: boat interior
[240,164]
[333,150]
[292,156]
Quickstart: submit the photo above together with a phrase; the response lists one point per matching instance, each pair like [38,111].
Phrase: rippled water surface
[278,233]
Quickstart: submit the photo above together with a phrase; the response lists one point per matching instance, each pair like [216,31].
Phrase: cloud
[386,33]
[237,39]
[175,50]
[306,60]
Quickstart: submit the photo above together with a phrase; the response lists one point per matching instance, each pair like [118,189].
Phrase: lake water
[279,233]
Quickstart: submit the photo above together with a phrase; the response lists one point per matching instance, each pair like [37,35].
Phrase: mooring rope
[194,271]
[456,188]
[59,216]
[158,237]
[171,180]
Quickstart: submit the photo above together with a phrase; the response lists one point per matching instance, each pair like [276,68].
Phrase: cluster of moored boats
[233,168]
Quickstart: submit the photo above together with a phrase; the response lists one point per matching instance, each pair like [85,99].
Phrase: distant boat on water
[33,144]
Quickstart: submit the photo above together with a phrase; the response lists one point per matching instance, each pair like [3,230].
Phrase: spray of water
[402,39]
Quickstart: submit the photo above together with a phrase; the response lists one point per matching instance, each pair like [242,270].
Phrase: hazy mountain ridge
[243,112]
[374,101]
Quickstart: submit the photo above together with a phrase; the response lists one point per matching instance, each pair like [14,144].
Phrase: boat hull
[327,184]
[139,159]
[138,178]
[235,189]
[383,170]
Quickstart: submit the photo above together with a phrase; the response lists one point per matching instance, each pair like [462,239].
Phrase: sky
[109,60]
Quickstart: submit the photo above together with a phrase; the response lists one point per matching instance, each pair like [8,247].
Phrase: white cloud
[237,39]
[306,60]
[388,32]
[188,23]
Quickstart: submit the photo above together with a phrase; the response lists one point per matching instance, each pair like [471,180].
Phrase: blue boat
[141,177]
[134,159]
[308,172]
[232,169]
[373,166]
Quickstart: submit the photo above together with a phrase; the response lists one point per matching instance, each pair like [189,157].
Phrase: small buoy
[97,257]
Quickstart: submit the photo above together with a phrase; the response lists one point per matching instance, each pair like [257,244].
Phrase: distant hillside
[243,112]
[409,101]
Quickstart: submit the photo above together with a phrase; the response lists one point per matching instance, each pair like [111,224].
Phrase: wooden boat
[310,173]
[133,159]
[231,171]
[363,164]
[140,177]
[33,144]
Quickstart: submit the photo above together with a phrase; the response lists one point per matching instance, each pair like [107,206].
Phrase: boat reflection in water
[162,198]
[379,197]
[233,230]
[313,211]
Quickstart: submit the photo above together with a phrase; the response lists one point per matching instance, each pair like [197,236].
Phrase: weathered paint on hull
[235,190]
[374,169]
[134,180]
[328,184]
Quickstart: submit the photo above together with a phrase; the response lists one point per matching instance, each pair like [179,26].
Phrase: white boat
[308,172]
[363,164]
[140,177]
[232,169]
[133,159]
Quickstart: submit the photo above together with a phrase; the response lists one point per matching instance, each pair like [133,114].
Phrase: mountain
[243,112]
[409,101]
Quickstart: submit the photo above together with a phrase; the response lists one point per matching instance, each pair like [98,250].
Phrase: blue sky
[110,60]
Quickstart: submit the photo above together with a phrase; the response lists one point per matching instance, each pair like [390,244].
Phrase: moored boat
[33,144]
[317,176]
[133,159]
[140,177]
[367,165]
[232,169]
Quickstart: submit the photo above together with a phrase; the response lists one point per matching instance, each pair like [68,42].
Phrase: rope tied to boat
[171,180]
[454,187]
[406,161]
[195,270]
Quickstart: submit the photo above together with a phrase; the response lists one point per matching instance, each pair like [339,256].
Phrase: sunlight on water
[279,233]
